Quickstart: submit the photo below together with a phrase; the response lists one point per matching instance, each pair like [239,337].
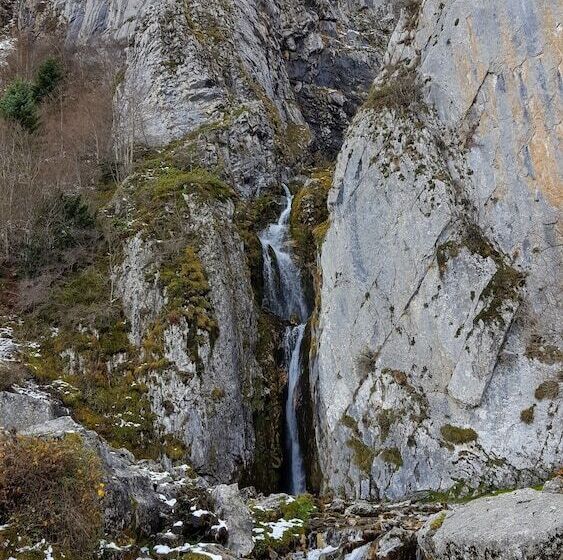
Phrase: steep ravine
[283,296]
[320,255]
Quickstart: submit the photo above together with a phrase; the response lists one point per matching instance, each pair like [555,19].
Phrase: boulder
[230,507]
[131,500]
[521,524]
[20,411]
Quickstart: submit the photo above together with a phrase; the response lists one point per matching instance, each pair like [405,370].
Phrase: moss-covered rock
[457,435]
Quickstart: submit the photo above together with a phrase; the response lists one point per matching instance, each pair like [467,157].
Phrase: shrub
[18,104]
[457,435]
[48,77]
[398,93]
[52,490]
[63,223]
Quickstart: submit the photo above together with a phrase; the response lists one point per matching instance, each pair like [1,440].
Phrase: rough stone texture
[229,506]
[203,396]
[522,524]
[20,411]
[429,346]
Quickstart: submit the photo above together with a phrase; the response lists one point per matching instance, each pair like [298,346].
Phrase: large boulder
[131,500]
[230,507]
[521,524]
[20,411]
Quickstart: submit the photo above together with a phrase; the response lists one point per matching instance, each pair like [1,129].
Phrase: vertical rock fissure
[283,296]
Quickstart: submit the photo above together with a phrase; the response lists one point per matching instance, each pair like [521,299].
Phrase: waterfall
[283,296]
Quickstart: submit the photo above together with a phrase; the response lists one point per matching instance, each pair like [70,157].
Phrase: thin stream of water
[283,296]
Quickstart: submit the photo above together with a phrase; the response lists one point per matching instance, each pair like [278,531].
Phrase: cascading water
[283,295]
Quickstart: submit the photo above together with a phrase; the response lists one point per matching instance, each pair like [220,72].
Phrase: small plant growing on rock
[363,455]
[527,415]
[435,524]
[393,456]
[400,92]
[456,435]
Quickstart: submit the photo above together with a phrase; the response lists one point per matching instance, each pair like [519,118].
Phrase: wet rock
[520,524]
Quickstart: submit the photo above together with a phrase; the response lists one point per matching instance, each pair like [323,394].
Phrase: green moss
[362,454]
[309,212]
[171,180]
[187,290]
[527,415]
[548,389]
[300,508]
[393,456]
[438,521]
[457,435]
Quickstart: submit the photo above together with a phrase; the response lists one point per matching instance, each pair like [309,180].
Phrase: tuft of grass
[399,93]
[548,389]
[457,435]
[436,523]
[527,415]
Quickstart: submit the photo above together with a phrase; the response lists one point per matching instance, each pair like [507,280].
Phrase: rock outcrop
[246,91]
[521,524]
[437,364]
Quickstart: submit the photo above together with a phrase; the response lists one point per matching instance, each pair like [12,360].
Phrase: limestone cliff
[438,361]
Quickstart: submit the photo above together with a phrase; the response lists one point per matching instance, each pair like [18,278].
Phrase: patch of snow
[316,554]
[169,502]
[200,512]
[222,524]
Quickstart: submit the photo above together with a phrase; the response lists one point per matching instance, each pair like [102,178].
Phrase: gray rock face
[230,506]
[21,411]
[437,358]
[522,524]
[202,396]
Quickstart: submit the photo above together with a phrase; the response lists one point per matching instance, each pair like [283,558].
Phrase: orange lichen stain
[543,149]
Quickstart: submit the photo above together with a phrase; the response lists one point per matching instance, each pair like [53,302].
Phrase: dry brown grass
[51,489]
